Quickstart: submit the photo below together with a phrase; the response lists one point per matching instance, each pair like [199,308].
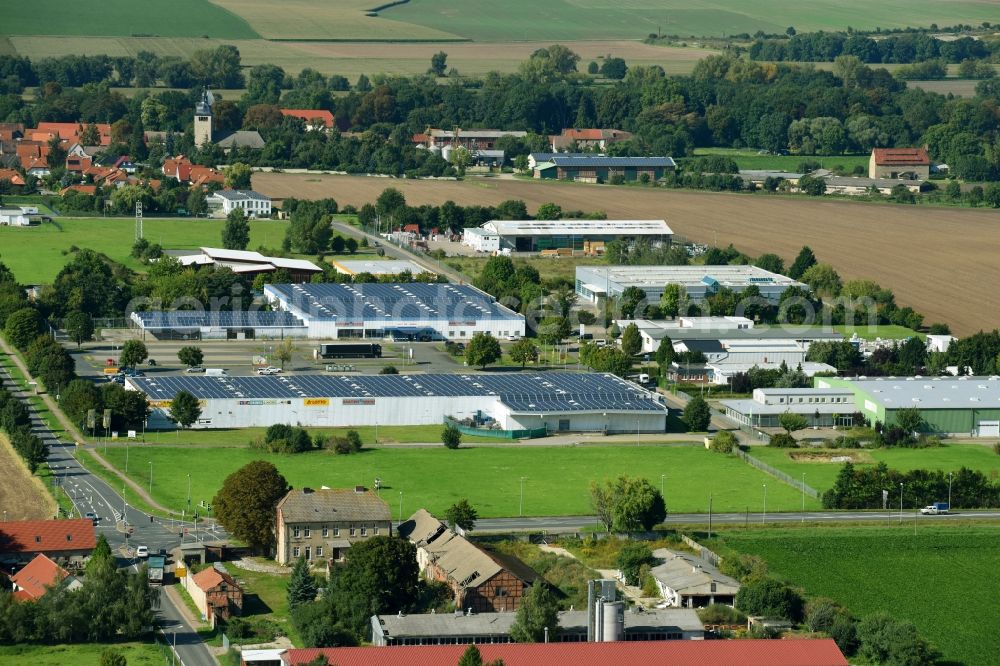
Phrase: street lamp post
[710,515]
[763,515]
[520,506]
[126,456]
[661,484]
[949,489]
[151,477]
[900,503]
[401,506]
[189,491]
[803,497]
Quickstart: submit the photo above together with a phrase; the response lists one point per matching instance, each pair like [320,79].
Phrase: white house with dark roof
[253,204]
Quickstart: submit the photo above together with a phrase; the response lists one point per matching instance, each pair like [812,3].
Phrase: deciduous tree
[79,327]
[133,353]
[482,350]
[190,356]
[538,611]
[245,505]
[697,414]
[461,514]
[524,351]
[236,231]
[185,409]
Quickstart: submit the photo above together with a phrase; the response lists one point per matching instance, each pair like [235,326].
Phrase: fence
[709,556]
[777,473]
[531,433]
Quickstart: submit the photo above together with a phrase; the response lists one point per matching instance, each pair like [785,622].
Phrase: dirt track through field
[940,261]
[22,496]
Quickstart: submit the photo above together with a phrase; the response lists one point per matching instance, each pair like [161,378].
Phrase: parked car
[269,370]
[194,369]
[142,552]
[93,517]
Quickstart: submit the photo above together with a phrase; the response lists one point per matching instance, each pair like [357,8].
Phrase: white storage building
[481,240]
[557,401]
[700,282]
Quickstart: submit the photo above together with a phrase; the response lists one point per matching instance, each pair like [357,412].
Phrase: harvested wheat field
[940,261]
[22,496]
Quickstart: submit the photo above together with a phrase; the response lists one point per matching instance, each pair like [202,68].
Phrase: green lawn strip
[37,254]
[886,332]
[935,578]
[80,654]
[241,437]
[265,596]
[750,160]
[822,475]
[557,479]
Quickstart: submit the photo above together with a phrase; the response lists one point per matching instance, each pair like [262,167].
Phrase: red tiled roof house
[900,163]
[40,575]
[64,541]
[215,593]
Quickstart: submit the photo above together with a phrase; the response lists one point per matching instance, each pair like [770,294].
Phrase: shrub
[720,614]
[996,448]
[451,437]
[783,441]
[631,558]
[724,442]
[744,567]
[770,598]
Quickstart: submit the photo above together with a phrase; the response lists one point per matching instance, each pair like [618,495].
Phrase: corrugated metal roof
[689,575]
[750,652]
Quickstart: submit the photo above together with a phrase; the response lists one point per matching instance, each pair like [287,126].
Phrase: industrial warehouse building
[700,282]
[588,236]
[601,168]
[442,311]
[652,331]
[949,405]
[219,325]
[555,401]
[378,268]
[966,406]
[245,262]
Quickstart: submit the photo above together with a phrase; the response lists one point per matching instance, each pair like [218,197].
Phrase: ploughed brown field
[940,261]
[22,496]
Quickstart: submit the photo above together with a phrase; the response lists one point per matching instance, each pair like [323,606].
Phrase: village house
[481,580]
[64,541]
[899,164]
[215,593]
[253,204]
[322,524]
[38,577]
[316,120]
[481,139]
[12,177]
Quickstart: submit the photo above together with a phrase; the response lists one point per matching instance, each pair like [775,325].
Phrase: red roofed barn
[900,163]
[62,540]
[751,652]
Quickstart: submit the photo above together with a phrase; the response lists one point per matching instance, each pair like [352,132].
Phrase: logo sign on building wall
[160,404]
[316,402]
[358,401]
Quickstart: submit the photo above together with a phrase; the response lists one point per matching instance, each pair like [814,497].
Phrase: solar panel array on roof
[534,393]
[398,301]
[218,319]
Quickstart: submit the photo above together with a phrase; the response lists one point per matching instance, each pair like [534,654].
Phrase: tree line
[725,101]
[905,48]
[862,488]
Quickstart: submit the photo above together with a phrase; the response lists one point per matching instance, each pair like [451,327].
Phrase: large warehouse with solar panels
[331,311]
[370,310]
[558,401]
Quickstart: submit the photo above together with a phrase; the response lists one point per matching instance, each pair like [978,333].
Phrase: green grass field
[749,159]
[239,437]
[558,478]
[266,595]
[84,654]
[35,254]
[177,18]
[886,332]
[938,579]
[482,20]
[822,475]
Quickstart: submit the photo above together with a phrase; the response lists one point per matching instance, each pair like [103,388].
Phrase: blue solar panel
[522,392]
[219,319]
[407,301]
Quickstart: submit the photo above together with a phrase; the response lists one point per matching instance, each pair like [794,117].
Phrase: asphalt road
[575,523]
[90,493]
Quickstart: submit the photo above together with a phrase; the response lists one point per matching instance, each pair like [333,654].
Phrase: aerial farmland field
[940,578]
[176,18]
[939,261]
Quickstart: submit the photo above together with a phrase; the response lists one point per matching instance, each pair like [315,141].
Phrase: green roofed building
[949,405]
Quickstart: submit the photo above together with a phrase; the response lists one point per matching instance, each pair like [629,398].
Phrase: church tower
[203,120]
